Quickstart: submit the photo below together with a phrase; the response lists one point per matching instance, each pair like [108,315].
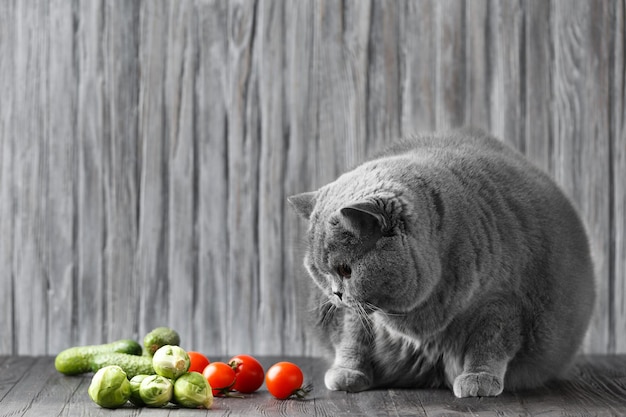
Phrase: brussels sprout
[192,390]
[170,361]
[135,383]
[156,390]
[109,387]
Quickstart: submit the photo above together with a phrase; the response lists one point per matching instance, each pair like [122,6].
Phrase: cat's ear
[303,203]
[366,219]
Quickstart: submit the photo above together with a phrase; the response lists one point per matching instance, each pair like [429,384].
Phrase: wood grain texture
[147,148]
[89,289]
[539,84]
[7,211]
[451,72]
[209,323]
[301,109]
[418,66]
[30,386]
[617,257]
[30,122]
[119,158]
[582,137]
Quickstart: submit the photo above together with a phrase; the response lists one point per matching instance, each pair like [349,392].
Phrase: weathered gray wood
[301,106]
[451,72]
[244,141]
[120,155]
[29,135]
[508,94]
[13,370]
[594,386]
[147,149]
[384,96]
[38,390]
[481,61]
[340,59]
[60,155]
[211,319]
[90,231]
[271,34]
[582,137]
[7,211]
[539,68]
[617,274]
[417,71]
[180,82]
[210,325]
[151,263]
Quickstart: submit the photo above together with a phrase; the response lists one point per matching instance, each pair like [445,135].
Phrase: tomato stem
[227,392]
[230,394]
[302,392]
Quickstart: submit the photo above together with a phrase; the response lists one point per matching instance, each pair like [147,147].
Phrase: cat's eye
[344,271]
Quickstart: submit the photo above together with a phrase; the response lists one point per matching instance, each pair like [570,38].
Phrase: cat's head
[361,252]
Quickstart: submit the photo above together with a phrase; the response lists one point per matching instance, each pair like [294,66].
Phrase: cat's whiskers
[328,308]
[375,309]
[372,307]
[321,306]
[364,319]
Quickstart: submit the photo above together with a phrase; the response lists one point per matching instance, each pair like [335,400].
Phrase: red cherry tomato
[249,372]
[221,377]
[284,379]
[197,361]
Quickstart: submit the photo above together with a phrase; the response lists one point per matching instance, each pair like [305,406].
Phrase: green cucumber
[159,337]
[131,364]
[77,360]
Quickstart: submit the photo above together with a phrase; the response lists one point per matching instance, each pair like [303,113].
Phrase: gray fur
[447,260]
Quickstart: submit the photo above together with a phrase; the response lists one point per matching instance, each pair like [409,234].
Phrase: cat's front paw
[346,379]
[480,384]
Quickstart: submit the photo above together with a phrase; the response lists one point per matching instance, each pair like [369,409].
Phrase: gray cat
[448,260]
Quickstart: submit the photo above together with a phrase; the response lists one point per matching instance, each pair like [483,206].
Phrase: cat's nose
[338,294]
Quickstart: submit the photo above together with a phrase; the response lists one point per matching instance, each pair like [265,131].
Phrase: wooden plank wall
[147,148]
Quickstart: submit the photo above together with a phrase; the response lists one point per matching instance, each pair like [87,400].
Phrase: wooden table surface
[596,386]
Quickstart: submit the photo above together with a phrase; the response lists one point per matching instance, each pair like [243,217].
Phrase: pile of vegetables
[161,372]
